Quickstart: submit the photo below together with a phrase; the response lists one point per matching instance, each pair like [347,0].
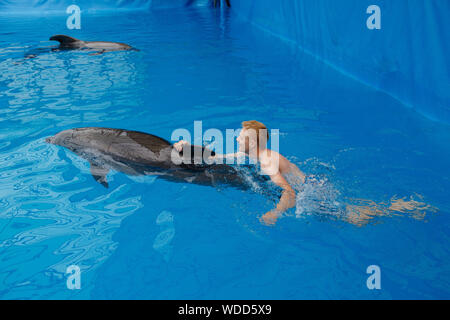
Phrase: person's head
[253,136]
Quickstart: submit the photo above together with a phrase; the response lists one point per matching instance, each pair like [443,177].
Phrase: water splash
[320,197]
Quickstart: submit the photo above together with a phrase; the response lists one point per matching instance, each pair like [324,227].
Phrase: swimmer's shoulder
[284,164]
[286,167]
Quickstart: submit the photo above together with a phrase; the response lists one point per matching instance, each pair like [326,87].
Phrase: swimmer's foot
[270,218]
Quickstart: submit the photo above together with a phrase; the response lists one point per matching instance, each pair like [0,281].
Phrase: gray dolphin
[69,43]
[216,3]
[138,153]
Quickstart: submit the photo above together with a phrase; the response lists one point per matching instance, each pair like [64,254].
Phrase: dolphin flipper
[97,53]
[99,174]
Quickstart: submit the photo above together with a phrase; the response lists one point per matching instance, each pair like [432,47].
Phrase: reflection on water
[45,204]
[63,88]
[162,242]
[48,204]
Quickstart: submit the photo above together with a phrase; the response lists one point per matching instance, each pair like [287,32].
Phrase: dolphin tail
[63,40]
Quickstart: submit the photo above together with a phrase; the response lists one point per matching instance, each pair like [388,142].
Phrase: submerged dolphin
[216,3]
[68,43]
[138,153]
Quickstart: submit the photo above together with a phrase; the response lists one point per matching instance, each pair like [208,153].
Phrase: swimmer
[252,142]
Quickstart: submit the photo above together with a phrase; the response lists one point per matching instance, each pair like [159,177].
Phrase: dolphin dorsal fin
[62,39]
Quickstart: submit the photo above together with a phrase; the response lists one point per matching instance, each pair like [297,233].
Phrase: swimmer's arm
[297,172]
[228,156]
[287,199]
[286,202]
[180,144]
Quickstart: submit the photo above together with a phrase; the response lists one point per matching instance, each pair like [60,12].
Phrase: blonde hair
[257,126]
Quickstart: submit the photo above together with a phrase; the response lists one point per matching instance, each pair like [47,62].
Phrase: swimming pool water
[148,238]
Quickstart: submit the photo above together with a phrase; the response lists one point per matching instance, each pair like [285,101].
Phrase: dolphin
[216,3]
[69,43]
[138,153]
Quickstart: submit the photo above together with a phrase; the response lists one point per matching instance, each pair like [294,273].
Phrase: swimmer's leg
[361,214]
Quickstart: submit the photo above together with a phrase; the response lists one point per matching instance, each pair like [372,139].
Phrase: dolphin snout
[50,140]
[62,138]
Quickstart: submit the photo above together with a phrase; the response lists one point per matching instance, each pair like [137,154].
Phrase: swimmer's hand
[270,218]
[180,144]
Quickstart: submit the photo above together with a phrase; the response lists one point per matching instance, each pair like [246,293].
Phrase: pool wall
[60,6]
[407,58]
